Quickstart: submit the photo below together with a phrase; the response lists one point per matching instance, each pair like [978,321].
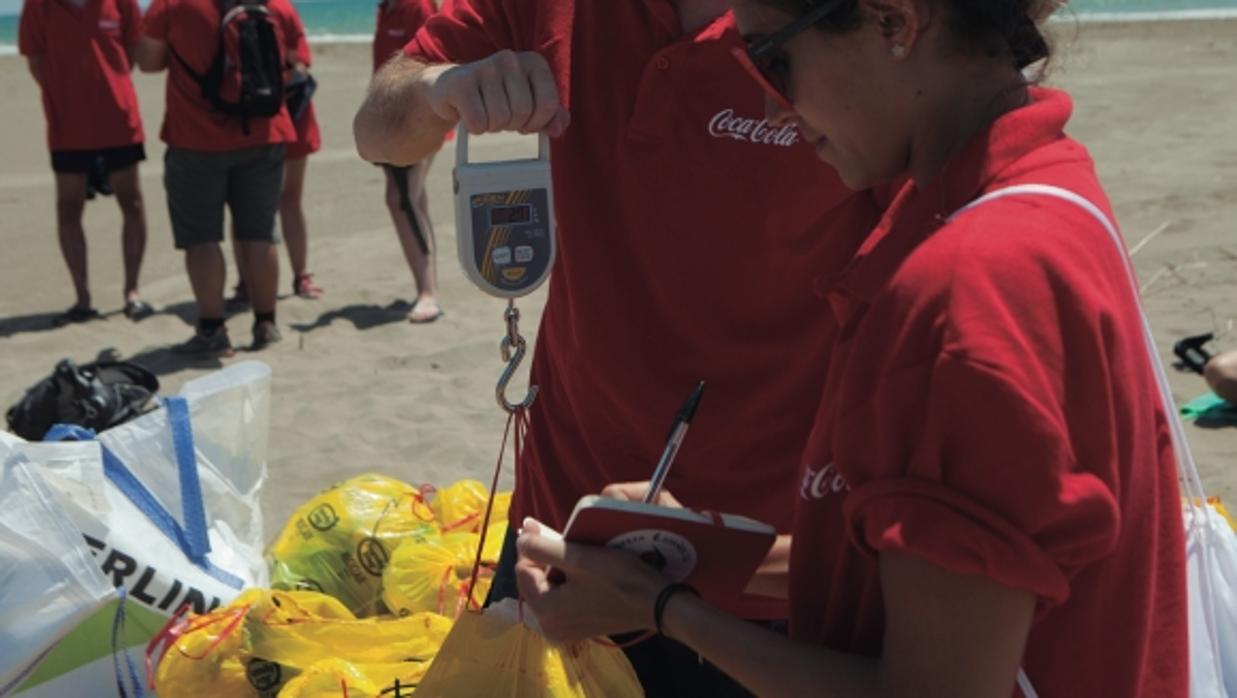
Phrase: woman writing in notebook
[989,498]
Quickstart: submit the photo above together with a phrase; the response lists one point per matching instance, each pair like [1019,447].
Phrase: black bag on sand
[97,396]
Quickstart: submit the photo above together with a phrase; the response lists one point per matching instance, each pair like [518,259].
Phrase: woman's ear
[899,22]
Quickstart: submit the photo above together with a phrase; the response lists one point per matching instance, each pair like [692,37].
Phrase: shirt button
[663,63]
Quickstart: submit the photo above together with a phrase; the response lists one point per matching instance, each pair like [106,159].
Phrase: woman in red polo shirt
[299,88]
[988,502]
[81,53]
[407,201]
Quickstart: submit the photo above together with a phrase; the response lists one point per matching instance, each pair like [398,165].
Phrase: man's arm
[410,106]
[35,64]
[152,55]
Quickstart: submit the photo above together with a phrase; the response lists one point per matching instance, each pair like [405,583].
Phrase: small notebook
[715,553]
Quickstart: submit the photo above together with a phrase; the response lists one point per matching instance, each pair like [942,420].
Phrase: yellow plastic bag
[335,678]
[434,575]
[339,542]
[496,656]
[266,639]
[461,506]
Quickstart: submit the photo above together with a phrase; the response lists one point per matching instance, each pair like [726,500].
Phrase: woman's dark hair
[994,27]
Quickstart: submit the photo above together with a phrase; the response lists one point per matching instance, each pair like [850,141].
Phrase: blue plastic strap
[146,502]
[128,484]
[118,625]
[190,487]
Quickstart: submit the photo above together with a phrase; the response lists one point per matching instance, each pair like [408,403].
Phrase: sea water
[353,20]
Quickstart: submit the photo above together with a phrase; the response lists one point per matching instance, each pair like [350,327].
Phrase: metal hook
[513,340]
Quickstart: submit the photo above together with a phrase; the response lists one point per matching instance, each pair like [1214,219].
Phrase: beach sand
[356,388]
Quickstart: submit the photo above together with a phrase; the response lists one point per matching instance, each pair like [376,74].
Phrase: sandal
[138,309]
[303,285]
[74,315]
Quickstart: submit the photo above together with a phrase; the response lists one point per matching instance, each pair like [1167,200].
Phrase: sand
[356,388]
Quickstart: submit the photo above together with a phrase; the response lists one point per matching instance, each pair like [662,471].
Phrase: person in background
[292,222]
[667,179]
[406,197]
[216,159]
[80,52]
[988,503]
[1221,375]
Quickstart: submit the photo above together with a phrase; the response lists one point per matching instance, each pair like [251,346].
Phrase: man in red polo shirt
[397,21]
[684,252]
[80,53]
[216,159]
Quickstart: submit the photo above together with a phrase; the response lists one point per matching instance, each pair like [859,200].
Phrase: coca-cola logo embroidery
[726,124]
[820,483]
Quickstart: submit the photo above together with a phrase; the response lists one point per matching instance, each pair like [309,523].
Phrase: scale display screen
[508,215]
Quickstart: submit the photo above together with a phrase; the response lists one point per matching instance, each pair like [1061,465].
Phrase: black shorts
[86,161]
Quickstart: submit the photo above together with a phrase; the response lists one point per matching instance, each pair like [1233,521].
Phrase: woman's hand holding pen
[606,591]
[634,492]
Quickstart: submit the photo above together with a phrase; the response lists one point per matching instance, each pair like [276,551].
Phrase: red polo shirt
[397,21]
[191,28]
[85,63]
[685,253]
[991,408]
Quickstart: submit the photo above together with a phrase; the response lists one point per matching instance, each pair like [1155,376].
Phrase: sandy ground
[358,389]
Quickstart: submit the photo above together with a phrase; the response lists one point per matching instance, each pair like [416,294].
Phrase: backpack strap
[1198,522]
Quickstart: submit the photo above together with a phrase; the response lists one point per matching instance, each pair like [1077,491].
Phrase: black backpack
[246,77]
[98,396]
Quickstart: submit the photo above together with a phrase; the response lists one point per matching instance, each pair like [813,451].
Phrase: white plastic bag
[168,504]
[48,580]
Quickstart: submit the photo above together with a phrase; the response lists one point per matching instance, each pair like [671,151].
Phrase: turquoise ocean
[353,20]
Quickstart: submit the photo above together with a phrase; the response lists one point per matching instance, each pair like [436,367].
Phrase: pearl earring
[899,51]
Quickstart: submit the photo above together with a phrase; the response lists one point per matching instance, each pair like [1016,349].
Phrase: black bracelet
[663,598]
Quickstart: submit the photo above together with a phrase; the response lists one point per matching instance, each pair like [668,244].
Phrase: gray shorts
[200,183]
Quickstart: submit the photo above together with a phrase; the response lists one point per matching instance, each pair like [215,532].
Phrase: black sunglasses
[768,64]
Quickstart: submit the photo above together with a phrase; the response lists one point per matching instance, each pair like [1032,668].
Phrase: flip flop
[74,315]
[138,309]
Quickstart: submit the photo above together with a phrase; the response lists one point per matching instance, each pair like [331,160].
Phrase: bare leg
[261,274]
[128,190]
[292,216]
[70,202]
[1221,375]
[207,274]
[422,264]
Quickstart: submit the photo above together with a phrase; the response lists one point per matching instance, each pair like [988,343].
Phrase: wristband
[668,592]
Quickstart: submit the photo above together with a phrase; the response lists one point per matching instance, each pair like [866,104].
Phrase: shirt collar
[914,214]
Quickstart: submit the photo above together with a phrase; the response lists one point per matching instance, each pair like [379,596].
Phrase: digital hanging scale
[504,220]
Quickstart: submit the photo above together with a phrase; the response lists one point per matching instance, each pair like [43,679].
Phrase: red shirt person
[396,23]
[308,141]
[405,195]
[667,181]
[989,502]
[80,53]
[664,182]
[217,159]
[996,442]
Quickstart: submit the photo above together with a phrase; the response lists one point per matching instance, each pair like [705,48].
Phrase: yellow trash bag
[265,639]
[335,678]
[434,575]
[496,656]
[339,542]
[461,506]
